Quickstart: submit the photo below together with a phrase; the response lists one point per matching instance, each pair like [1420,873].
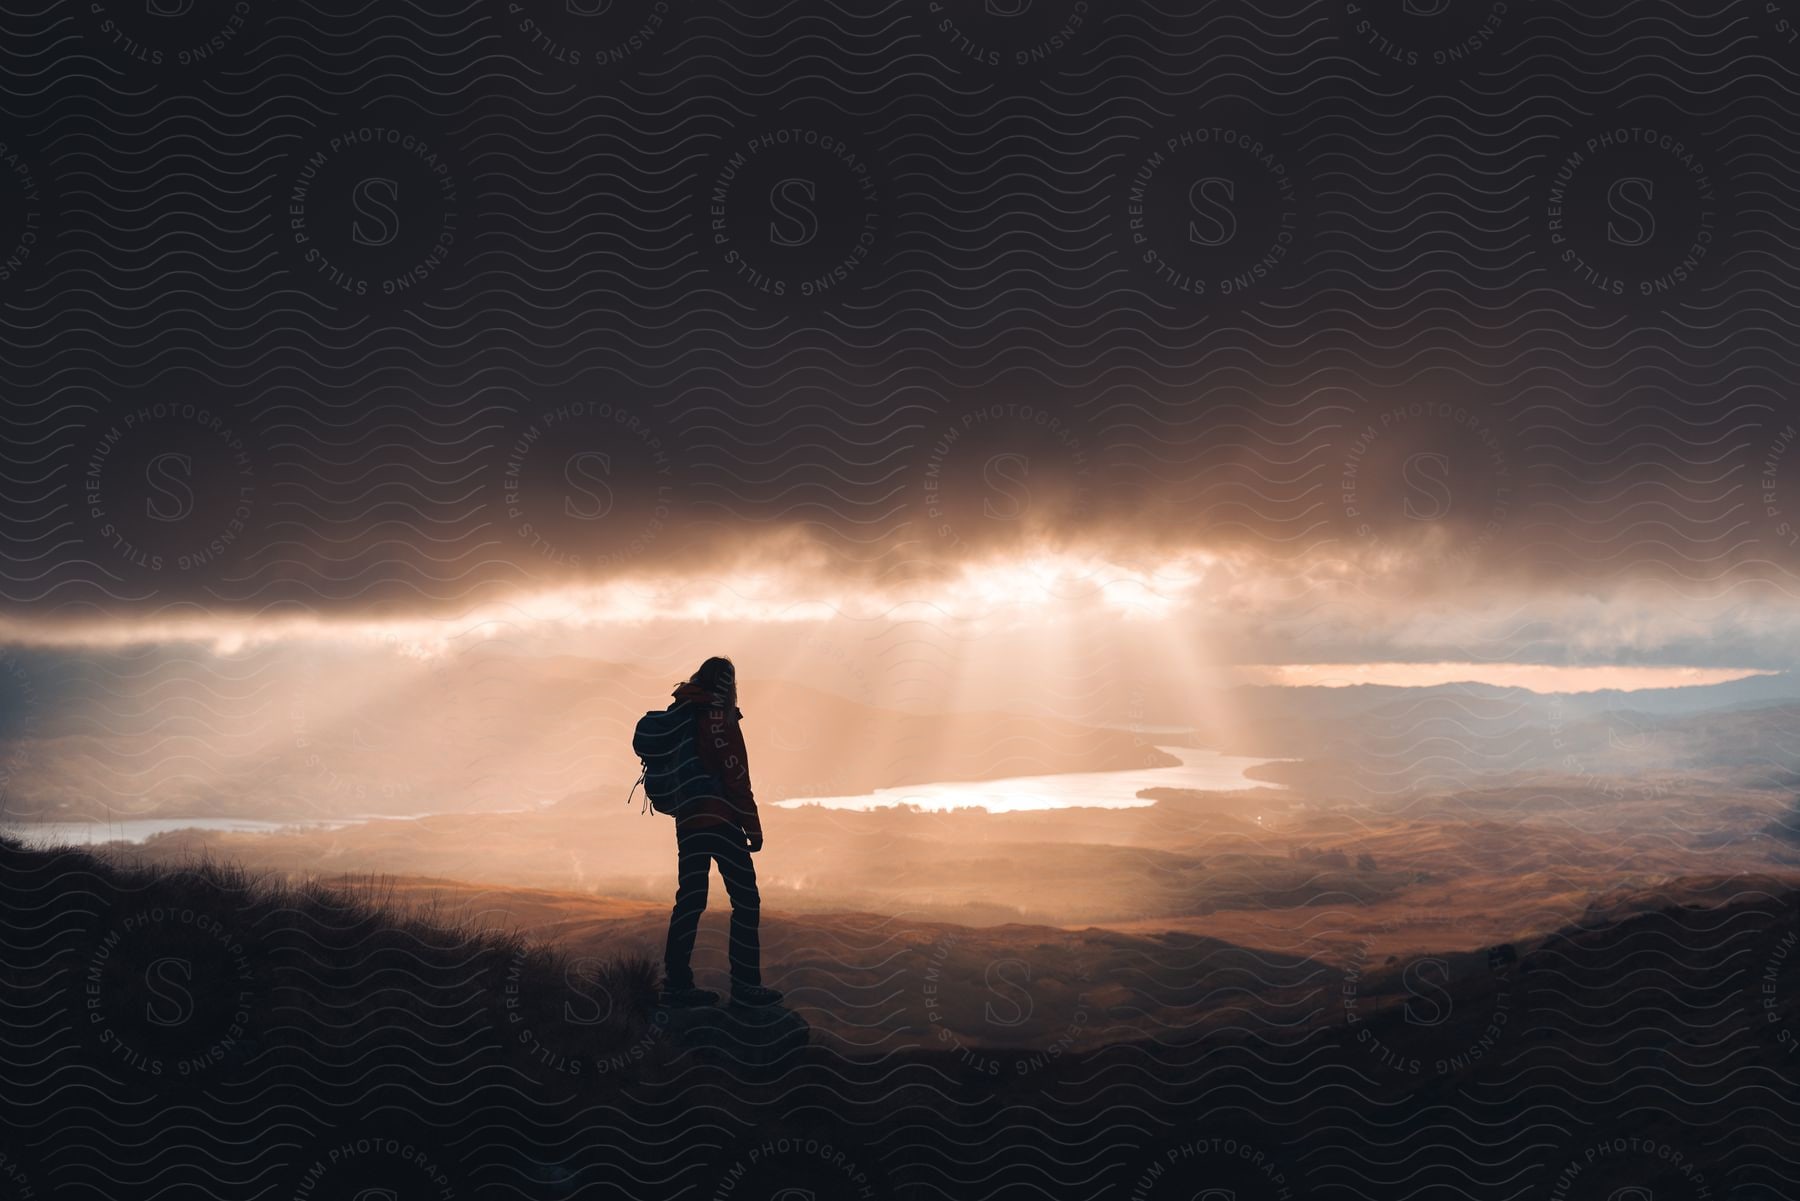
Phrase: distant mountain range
[1319,703]
[320,733]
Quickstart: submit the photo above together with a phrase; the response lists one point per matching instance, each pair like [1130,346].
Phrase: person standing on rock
[720,827]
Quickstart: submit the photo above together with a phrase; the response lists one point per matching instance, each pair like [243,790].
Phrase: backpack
[667,742]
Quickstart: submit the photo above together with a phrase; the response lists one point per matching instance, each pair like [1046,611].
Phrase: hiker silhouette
[718,825]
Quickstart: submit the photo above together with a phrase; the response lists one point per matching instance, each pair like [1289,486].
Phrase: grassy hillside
[186,972]
[194,1030]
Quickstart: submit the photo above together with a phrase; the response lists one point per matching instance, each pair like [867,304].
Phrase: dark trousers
[696,850]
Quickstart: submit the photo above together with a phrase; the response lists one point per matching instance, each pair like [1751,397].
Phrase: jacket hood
[689,692]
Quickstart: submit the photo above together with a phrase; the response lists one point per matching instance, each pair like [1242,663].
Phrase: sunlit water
[1203,771]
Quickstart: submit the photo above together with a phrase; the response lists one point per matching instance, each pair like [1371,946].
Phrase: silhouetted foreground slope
[187,1032]
[184,1028]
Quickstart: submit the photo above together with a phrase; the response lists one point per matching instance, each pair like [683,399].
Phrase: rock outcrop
[752,1037]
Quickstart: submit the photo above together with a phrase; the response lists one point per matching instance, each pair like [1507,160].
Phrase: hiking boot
[754,995]
[687,998]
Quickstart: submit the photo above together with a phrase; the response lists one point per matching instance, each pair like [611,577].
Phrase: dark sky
[391,307]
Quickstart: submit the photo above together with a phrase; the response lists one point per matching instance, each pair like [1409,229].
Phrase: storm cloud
[1472,303]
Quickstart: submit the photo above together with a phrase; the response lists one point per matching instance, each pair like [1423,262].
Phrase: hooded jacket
[721,751]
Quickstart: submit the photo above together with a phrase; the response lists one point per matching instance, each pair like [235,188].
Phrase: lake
[1203,771]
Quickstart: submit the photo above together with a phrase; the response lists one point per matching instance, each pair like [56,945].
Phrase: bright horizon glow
[1533,676]
[1193,617]
[1002,593]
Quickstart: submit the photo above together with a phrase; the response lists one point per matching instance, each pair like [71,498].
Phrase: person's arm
[723,754]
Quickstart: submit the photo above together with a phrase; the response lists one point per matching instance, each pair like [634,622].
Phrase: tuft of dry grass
[323,968]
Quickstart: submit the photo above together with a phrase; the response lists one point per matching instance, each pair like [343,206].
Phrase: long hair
[718,676]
